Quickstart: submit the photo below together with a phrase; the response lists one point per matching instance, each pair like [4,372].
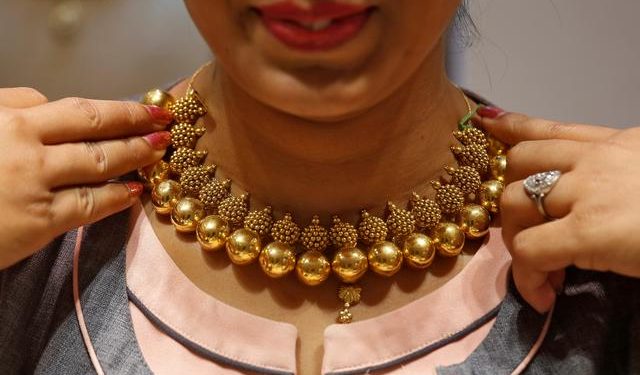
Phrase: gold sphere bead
[474,220]
[243,246]
[158,98]
[496,147]
[165,196]
[158,172]
[489,195]
[498,167]
[277,259]
[419,250]
[313,268]
[449,239]
[212,232]
[186,214]
[385,258]
[349,264]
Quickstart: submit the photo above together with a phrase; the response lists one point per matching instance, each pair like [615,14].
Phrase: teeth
[317,25]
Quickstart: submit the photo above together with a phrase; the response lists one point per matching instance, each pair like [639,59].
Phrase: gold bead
[471,135]
[277,259]
[185,135]
[285,230]
[313,268]
[400,222]
[499,167]
[243,246]
[466,178]
[212,232]
[419,250]
[450,198]
[260,222]
[371,228]
[189,108]
[165,195]
[158,172]
[426,211]
[315,236]
[474,220]
[343,234]
[489,195]
[349,264]
[186,214]
[193,179]
[214,192]
[183,158]
[449,239]
[496,147]
[158,98]
[472,155]
[234,209]
[385,258]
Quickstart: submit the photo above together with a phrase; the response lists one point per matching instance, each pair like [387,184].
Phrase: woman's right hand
[57,160]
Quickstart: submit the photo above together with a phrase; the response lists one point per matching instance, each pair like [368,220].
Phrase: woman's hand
[57,159]
[595,203]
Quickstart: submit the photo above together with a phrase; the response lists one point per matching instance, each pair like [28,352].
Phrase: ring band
[537,187]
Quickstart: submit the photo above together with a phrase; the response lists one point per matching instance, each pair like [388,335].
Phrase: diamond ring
[538,186]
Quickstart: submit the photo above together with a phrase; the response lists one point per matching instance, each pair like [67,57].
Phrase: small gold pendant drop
[350,295]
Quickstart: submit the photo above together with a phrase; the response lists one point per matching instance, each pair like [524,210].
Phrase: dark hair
[463,26]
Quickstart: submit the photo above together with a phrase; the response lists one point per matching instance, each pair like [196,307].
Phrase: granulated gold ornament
[472,155]
[285,230]
[343,234]
[371,228]
[466,178]
[426,212]
[193,179]
[189,108]
[183,158]
[260,222]
[315,236]
[185,135]
[449,197]
[234,209]
[471,135]
[214,192]
[400,222]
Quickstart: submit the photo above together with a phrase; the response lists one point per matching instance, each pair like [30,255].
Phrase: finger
[21,97]
[530,157]
[519,211]
[77,119]
[78,206]
[537,288]
[97,162]
[512,128]
[547,247]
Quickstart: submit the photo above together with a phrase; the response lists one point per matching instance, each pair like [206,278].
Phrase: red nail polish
[159,114]
[135,188]
[490,112]
[158,140]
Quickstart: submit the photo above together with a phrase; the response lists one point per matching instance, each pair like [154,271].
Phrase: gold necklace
[187,190]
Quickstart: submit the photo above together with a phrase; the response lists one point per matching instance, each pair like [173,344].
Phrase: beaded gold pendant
[414,235]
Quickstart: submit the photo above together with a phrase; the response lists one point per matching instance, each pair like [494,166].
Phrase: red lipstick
[324,26]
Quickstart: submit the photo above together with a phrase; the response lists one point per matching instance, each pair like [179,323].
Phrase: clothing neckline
[481,284]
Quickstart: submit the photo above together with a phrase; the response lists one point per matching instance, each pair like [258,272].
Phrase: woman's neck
[308,167]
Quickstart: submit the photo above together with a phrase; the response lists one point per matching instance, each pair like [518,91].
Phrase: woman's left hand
[595,203]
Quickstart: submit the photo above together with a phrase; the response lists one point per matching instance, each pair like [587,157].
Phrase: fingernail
[490,112]
[159,114]
[158,140]
[135,188]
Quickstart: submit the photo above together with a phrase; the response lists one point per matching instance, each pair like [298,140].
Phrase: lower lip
[298,37]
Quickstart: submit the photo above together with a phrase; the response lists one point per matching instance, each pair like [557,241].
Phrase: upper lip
[322,11]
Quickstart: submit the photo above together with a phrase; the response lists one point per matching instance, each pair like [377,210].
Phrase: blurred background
[572,60]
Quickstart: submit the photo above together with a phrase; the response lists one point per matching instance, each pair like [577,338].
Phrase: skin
[593,203]
[354,127]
